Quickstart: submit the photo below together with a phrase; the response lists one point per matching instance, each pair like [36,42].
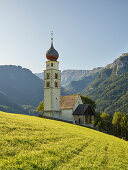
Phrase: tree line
[116,125]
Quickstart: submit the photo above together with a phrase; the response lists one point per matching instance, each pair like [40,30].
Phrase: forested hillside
[8,105]
[108,86]
[19,86]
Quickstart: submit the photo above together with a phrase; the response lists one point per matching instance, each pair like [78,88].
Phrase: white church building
[57,106]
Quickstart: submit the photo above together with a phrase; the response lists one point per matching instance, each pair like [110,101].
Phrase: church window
[51,64]
[48,84]
[47,76]
[56,76]
[56,84]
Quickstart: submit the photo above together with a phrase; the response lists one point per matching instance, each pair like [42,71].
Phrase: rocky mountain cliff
[110,87]
[68,76]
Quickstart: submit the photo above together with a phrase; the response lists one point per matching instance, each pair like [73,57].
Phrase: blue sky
[87,33]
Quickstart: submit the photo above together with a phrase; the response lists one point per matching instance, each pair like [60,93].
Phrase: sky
[87,33]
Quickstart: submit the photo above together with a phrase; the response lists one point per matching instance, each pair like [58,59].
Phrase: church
[67,108]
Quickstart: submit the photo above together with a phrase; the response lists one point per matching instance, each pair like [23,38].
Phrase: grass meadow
[28,142]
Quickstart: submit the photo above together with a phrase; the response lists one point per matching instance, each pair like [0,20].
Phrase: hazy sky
[87,33]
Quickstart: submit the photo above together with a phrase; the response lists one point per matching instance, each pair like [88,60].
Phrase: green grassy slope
[36,143]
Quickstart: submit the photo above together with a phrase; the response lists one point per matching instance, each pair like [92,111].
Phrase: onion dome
[52,54]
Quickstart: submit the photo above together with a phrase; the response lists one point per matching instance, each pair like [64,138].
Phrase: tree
[116,122]
[97,121]
[106,122]
[87,100]
[123,124]
[40,108]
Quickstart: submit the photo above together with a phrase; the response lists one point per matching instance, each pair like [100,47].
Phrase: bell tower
[52,83]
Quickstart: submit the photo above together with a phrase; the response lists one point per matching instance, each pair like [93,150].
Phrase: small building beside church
[68,108]
[83,115]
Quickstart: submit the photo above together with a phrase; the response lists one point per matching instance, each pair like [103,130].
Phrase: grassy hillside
[36,143]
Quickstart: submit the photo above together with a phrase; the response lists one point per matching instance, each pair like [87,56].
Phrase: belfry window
[51,64]
[56,76]
[48,84]
[56,84]
[47,76]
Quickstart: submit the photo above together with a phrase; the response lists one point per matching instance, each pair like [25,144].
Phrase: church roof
[83,109]
[68,102]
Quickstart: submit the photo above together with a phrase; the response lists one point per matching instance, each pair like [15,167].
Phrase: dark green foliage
[120,122]
[87,100]
[115,125]
[116,122]
[110,94]
[103,122]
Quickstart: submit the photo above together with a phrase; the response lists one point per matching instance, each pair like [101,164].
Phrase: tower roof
[52,54]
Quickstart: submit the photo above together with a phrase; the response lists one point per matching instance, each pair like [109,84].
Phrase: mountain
[6,104]
[110,88]
[68,76]
[78,86]
[20,90]
[19,86]
[40,75]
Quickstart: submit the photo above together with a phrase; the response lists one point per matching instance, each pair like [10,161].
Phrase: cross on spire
[51,37]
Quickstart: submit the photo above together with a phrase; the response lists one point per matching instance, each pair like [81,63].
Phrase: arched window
[47,76]
[56,76]
[56,84]
[51,64]
[48,84]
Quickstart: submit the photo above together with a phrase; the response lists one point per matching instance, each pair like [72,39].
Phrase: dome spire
[51,38]
[52,54]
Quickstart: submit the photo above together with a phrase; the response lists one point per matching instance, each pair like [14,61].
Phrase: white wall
[66,114]
[52,94]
